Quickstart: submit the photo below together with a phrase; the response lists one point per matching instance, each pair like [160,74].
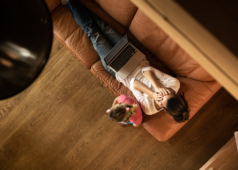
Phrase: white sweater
[146,102]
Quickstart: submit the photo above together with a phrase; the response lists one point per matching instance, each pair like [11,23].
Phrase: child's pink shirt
[129,100]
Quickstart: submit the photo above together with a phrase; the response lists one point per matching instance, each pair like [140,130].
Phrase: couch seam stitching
[166,39]
[132,19]
[186,53]
[72,33]
[55,9]
[71,51]
[208,87]
[194,69]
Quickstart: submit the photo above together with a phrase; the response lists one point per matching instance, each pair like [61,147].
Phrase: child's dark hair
[178,108]
[118,113]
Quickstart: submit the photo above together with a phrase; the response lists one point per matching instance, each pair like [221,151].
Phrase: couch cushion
[123,10]
[98,10]
[165,49]
[109,81]
[162,126]
[149,34]
[73,37]
[180,62]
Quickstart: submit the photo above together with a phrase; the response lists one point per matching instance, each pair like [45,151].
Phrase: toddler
[125,110]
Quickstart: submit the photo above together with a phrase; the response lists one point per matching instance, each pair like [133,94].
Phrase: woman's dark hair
[178,108]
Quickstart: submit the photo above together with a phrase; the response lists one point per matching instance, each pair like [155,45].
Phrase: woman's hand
[163,91]
[157,97]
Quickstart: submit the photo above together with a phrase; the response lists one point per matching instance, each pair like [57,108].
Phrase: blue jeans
[102,36]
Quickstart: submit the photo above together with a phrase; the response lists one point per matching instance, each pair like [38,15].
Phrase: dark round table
[25,43]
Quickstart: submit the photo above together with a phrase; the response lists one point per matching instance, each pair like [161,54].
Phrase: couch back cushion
[122,11]
[165,49]
[99,11]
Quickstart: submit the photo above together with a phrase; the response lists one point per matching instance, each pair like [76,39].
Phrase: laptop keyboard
[123,57]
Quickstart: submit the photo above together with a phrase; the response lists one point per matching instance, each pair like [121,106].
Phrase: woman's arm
[150,76]
[144,104]
[143,88]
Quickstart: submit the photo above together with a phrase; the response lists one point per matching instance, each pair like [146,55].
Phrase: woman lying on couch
[153,89]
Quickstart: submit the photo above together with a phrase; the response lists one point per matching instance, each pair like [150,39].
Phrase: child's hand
[136,125]
[108,110]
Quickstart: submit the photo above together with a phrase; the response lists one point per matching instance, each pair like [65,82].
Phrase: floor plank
[89,143]
[133,150]
[154,157]
[111,147]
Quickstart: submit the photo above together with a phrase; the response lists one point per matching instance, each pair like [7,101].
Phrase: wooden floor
[59,123]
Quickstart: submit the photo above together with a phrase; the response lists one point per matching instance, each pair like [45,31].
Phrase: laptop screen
[116,49]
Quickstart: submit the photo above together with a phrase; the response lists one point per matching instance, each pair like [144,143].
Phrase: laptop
[123,58]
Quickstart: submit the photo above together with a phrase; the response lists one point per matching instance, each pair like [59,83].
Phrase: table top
[226,158]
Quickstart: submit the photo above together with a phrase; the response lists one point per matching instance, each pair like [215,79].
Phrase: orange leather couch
[162,52]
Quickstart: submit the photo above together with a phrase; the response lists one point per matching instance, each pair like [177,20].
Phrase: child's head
[122,112]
